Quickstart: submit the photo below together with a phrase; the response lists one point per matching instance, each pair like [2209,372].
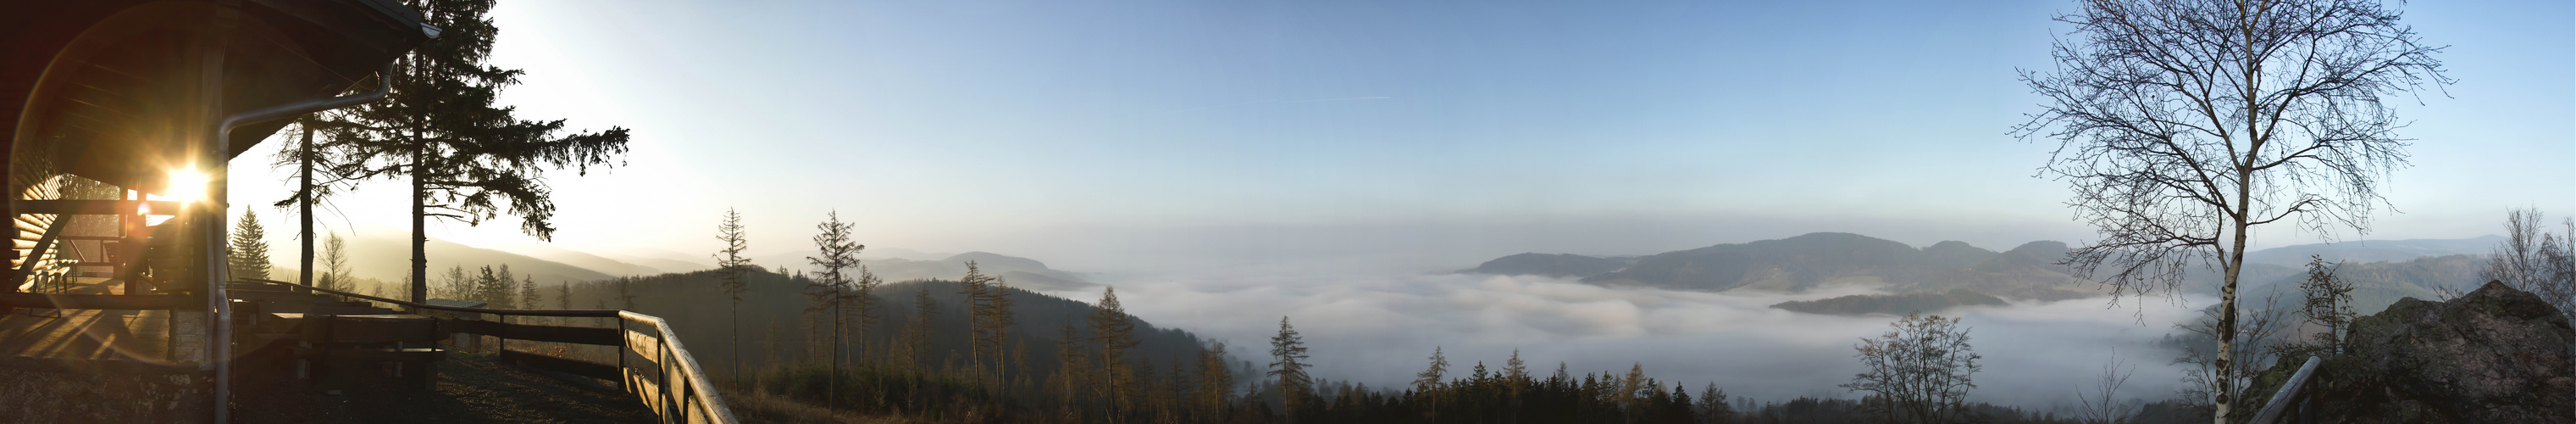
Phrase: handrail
[595,313]
[692,400]
[701,403]
[2291,391]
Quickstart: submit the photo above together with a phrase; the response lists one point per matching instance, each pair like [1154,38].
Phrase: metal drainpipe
[222,342]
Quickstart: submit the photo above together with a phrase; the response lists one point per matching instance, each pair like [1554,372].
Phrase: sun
[187,185]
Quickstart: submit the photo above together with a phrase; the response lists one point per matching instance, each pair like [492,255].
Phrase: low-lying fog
[1380,329]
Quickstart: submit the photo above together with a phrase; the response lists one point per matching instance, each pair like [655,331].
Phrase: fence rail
[652,364]
[2291,403]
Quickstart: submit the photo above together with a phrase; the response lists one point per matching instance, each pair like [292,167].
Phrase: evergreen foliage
[248,250]
[467,159]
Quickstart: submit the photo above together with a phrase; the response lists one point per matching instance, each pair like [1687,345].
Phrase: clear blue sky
[1121,135]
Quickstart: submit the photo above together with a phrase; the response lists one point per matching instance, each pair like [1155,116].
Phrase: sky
[1142,135]
[1329,160]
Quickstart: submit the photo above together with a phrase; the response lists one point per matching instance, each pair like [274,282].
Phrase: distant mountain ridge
[2029,271]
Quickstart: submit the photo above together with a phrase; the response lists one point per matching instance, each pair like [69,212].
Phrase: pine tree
[976,288]
[249,250]
[916,335]
[467,159]
[458,286]
[824,290]
[732,270]
[1517,376]
[528,296]
[1115,335]
[563,296]
[859,306]
[1216,385]
[1294,383]
[997,325]
[1713,407]
[1427,384]
[1071,369]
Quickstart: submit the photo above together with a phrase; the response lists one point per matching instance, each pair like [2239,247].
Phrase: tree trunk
[419,216]
[304,204]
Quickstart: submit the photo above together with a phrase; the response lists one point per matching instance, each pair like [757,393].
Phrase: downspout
[218,206]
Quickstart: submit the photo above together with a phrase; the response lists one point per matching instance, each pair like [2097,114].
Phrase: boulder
[2496,355]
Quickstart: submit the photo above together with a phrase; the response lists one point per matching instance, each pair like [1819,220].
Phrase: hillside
[1558,265]
[774,309]
[384,256]
[2379,284]
[1891,304]
[1790,265]
[2364,251]
[1795,264]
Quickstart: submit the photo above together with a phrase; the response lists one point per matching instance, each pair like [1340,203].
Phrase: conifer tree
[859,306]
[1071,367]
[1713,407]
[997,325]
[467,159]
[976,288]
[249,249]
[1427,383]
[563,296]
[1290,367]
[1115,335]
[732,270]
[528,296]
[837,255]
[1216,384]
[916,335]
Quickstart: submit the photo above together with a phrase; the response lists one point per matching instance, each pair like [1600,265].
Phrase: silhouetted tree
[335,264]
[1290,367]
[731,270]
[248,251]
[1116,336]
[1919,371]
[2185,125]
[837,254]
[467,158]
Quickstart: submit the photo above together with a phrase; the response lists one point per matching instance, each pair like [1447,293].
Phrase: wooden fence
[651,363]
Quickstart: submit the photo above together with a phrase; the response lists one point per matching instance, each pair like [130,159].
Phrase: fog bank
[1379,330]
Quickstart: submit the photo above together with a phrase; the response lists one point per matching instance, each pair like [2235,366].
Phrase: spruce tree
[1216,384]
[732,270]
[249,250]
[1290,367]
[838,253]
[976,289]
[1116,336]
[528,296]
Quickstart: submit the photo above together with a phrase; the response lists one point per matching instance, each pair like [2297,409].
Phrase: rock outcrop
[2496,355]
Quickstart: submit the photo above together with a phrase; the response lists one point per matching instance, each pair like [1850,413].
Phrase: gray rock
[2496,355]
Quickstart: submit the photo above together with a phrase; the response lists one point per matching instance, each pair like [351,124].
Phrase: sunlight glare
[187,185]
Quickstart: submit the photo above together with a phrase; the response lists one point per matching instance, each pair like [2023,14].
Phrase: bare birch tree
[2186,124]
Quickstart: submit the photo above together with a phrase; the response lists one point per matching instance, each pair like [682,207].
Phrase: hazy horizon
[1227,163]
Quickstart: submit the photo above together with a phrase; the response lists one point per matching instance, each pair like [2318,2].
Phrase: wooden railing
[2292,403]
[651,363]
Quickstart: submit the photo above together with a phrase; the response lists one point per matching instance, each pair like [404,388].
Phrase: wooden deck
[141,336]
